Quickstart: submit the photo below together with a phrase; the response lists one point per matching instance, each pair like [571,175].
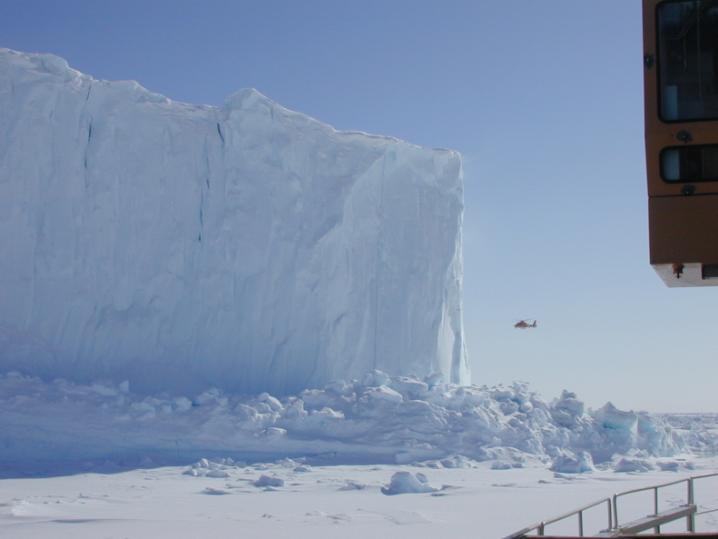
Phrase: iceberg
[245,247]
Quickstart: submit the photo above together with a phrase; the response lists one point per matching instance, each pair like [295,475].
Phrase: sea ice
[407,483]
[633,464]
[269,481]
[569,462]
[451,427]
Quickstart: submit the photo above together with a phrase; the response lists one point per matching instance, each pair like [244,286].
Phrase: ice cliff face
[246,247]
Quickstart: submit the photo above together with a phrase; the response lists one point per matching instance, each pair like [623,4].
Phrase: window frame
[658,63]
[684,147]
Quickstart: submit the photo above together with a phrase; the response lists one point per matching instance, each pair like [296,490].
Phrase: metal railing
[540,527]
[690,525]
[654,521]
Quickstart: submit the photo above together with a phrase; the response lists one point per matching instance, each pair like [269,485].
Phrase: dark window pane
[710,271]
[688,59]
[690,163]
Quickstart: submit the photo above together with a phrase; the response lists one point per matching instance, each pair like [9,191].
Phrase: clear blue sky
[544,101]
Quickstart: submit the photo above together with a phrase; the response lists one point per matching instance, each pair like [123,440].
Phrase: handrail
[612,504]
[690,519]
[652,521]
[580,512]
[655,489]
[540,526]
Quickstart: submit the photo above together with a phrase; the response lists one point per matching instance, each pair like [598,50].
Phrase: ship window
[688,59]
[690,163]
[709,271]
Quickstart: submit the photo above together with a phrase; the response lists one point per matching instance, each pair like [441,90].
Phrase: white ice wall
[247,247]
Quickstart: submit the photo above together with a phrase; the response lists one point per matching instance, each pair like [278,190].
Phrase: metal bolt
[684,136]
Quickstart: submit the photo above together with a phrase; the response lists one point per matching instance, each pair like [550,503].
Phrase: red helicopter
[525,324]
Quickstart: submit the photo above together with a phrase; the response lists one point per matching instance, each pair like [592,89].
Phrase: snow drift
[246,247]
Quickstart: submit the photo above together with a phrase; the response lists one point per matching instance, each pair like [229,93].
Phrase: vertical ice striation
[247,247]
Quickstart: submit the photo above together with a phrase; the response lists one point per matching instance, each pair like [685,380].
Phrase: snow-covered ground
[397,456]
[324,501]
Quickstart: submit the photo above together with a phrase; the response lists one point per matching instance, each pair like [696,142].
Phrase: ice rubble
[246,247]
[269,481]
[569,462]
[377,419]
[633,464]
[699,430]
[407,483]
